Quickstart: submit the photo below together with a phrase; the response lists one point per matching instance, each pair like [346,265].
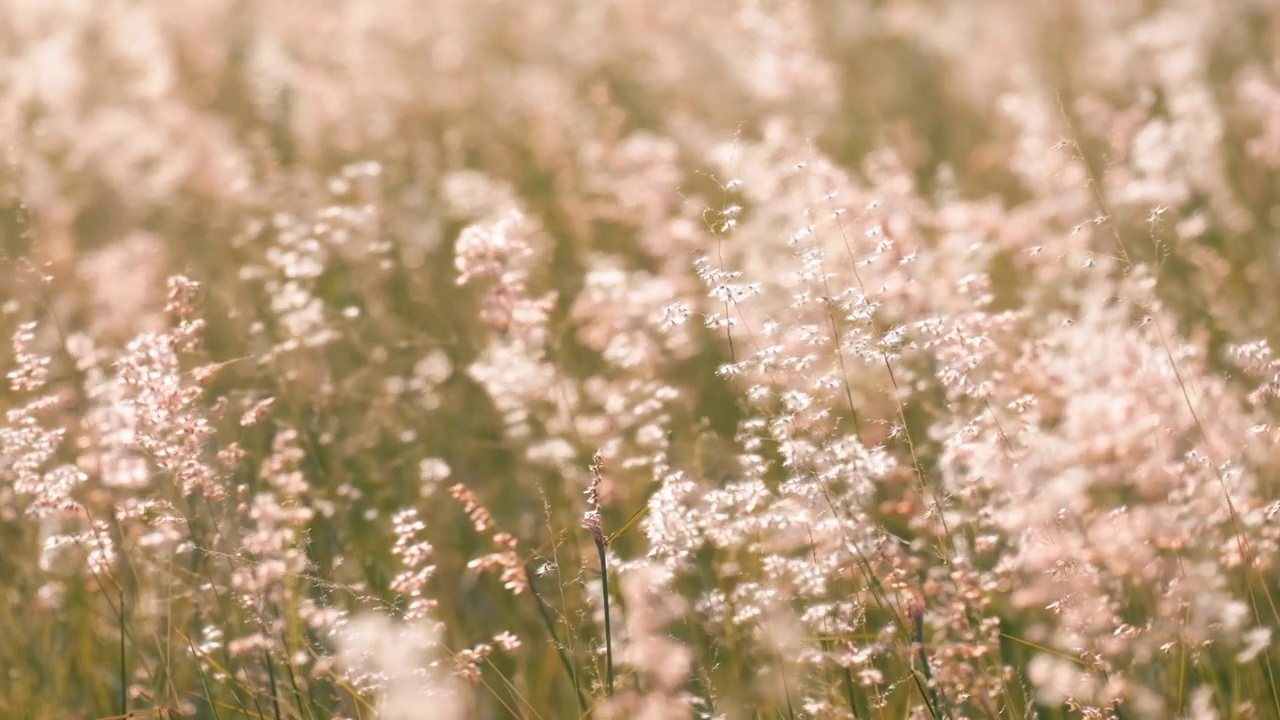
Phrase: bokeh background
[869,313]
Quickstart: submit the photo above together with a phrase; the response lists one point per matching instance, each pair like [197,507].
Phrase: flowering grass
[393,359]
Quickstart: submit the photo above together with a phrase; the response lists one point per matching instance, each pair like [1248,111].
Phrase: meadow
[761,359]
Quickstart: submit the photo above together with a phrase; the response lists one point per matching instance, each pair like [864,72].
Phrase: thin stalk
[916,609]
[271,676]
[547,620]
[591,521]
[124,667]
[608,626]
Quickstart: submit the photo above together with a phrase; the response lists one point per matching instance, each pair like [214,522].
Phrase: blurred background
[474,243]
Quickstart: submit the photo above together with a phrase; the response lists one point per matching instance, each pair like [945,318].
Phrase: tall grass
[401,359]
